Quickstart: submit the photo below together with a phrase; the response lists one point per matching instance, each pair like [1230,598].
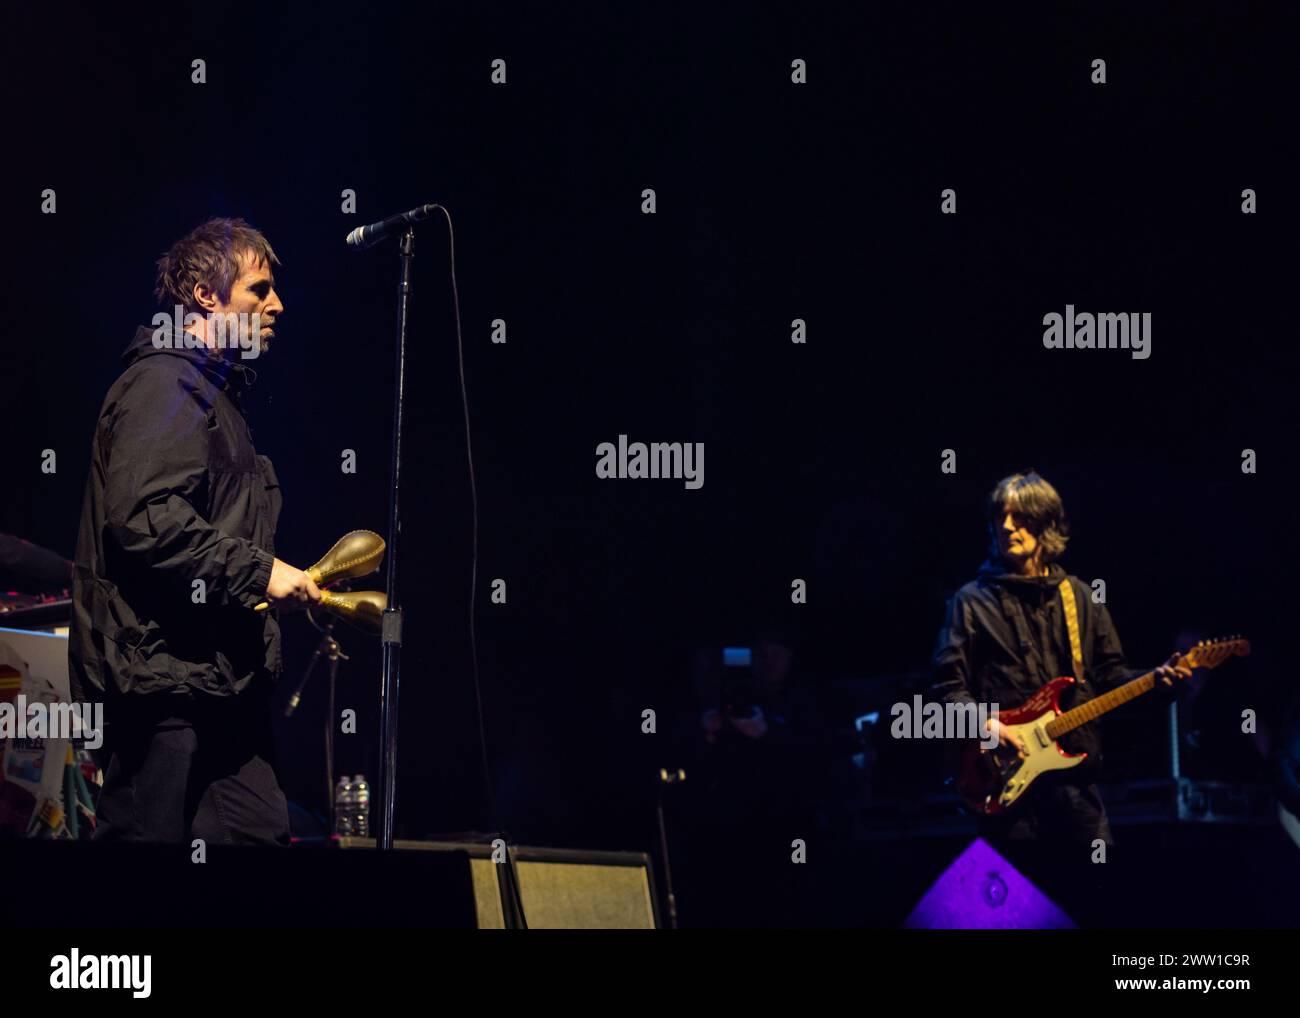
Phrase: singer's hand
[290,587]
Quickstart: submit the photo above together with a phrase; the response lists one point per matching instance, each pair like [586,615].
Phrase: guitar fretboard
[1094,709]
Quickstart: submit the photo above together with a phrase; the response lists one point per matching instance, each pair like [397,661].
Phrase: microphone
[368,236]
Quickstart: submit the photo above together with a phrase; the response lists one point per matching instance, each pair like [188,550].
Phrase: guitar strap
[1072,625]
[1028,651]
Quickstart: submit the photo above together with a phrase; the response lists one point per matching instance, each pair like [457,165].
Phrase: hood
[1034,589]
[226,371]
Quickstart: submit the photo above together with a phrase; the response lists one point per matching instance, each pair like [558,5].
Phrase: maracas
[362,608]
[358,553]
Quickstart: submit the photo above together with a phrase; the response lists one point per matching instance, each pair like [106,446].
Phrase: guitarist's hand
[1173,669]
[1006,737]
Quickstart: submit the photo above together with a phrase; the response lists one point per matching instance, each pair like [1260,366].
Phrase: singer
[176,546]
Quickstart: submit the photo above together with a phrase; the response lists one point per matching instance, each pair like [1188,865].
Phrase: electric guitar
[990,781]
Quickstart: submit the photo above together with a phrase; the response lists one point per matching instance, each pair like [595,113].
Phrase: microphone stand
[330,649]
[392,624]
[667,777]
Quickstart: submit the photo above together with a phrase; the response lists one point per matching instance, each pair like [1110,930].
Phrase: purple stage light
[982,891]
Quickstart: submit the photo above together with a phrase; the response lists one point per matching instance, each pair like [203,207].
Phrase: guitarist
[1005,636]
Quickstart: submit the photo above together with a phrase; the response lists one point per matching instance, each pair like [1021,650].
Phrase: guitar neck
[1094,709]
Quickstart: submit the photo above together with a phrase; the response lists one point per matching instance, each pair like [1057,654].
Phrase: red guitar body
[990,781]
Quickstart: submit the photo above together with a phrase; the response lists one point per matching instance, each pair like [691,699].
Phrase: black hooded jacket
[176,494]
[981,657]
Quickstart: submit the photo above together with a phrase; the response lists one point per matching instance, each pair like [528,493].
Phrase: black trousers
[1053,811]
[176,769]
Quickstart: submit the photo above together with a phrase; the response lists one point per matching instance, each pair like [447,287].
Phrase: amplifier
[561,889]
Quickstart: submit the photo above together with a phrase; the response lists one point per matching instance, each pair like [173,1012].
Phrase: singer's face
[254,293]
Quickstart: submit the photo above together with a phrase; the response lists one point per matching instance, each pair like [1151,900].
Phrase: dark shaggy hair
[1032,498]
[208,254]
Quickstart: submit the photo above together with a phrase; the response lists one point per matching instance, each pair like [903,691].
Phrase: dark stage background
[775,202]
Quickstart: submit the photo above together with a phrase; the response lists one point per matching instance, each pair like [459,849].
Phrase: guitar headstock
[1212,653]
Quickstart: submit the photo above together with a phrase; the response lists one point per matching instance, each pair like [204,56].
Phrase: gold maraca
[362,608]
[357,553]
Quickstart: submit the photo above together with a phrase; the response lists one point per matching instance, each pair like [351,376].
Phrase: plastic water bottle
[361,806]
[344,798]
